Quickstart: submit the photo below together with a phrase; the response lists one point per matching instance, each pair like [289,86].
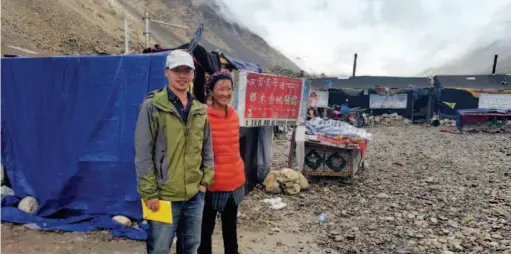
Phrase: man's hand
[153,204]
[202,188]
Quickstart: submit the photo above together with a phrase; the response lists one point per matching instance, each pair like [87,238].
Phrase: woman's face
[222,92]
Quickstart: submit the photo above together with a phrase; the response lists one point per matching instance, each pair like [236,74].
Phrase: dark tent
[462,92]
[358,91]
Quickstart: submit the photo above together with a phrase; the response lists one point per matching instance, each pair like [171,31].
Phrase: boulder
[293,189]
[304,184]
[271,184]
[289,175]
[285,180]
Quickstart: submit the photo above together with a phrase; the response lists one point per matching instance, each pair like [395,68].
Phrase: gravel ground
[424,192]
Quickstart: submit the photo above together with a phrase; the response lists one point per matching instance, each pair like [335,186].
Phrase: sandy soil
[424,192]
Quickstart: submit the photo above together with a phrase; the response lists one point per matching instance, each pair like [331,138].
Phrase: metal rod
[126,35]
[146,31]
[355,64]
[168,24]
[494,64]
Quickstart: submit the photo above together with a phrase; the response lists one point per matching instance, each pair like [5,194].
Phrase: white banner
[395,101]
[495,101]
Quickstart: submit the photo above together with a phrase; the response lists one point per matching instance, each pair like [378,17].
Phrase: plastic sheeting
[67,138]
[242,65]
[264,151]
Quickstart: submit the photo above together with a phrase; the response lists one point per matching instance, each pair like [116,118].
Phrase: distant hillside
[479,61]
[95,26]
[495,40]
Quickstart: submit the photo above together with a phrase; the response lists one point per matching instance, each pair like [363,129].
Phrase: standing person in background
[227,191]
[174,157]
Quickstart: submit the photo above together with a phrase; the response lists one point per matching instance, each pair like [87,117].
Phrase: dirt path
[17,239]
[425,192]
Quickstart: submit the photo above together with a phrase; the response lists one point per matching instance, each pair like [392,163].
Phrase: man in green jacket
[174,156]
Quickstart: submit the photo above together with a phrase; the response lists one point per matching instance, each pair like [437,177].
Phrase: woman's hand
[202,188]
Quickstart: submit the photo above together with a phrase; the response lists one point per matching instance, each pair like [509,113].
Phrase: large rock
[304,184]
[285,180]
[271,184]
[288,175]
[292,189]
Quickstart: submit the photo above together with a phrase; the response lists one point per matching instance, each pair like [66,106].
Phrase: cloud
[391,37]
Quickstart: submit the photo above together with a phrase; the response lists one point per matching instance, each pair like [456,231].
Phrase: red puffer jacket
[229,167]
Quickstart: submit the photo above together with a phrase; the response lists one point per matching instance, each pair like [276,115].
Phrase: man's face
[180,77]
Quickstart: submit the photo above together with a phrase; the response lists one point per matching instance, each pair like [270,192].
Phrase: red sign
[270,97]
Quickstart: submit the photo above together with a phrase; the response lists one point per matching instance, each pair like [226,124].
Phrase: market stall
[333,148]
[333,157]
[482,119]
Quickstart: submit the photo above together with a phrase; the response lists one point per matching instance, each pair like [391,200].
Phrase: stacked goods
[448,122]
[436,121]
[333,129]
[388,119]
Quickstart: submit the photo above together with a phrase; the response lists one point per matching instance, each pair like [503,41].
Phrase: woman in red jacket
[227,190]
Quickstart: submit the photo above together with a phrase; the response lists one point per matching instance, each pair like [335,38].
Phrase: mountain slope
[479,61]
[496,39]
[95,26]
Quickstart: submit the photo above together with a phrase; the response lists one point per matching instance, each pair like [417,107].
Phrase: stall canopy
[357,92]
[365,82]
[462,92]
[473,81]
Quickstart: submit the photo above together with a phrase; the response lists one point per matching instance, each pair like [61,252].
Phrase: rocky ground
[425,191]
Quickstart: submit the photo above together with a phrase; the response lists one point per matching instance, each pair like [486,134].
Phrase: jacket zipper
[190,115]
[161,164]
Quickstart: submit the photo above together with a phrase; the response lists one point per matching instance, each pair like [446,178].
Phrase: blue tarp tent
[67,138]
[242,65]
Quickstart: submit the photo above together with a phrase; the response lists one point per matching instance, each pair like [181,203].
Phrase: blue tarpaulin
[242,65]
[67,138]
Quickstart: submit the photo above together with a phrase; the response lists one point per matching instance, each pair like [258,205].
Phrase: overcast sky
[391,37]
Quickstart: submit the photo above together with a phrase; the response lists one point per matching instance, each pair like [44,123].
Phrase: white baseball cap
[179,58]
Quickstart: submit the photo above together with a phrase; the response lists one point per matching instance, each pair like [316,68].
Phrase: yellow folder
[163,214]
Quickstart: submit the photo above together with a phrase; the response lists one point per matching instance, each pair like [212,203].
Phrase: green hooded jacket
[172,159]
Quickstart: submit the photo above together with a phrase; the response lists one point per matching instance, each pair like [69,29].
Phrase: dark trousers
[229,226]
